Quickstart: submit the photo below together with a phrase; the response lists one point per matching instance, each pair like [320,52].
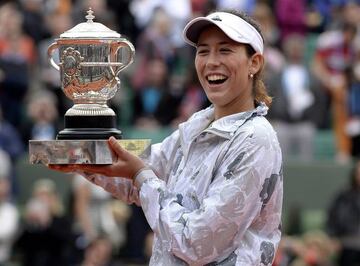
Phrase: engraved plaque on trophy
[91,57]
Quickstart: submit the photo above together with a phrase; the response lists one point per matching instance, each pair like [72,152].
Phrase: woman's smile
[216,79]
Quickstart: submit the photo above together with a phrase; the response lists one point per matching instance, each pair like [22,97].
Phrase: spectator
[124,18]
[96,214]
[10,142]
[313,248]
[17,55]
[144,12]
[154,103]
[316,249]
[138,232]
[294,101]
[153,44]
[179,12]
[288,251]
[344,219]
[274,57]
[353,125]
[291,17]
[193,100]
[348,13]
[332,58]
[246,6]
[43,123]
[9,215]
[46,238]
[318,15]
[34,22]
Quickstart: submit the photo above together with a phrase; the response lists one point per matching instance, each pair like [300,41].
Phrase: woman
[212,191]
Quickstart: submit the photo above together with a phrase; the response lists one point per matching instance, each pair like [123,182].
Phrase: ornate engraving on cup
[70,61]
[87,83]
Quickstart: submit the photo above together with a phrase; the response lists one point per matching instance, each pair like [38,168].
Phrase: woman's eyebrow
[219,43]
[201,44]
[224,42]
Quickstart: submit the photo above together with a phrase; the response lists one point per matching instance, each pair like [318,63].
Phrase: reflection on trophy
[91,58]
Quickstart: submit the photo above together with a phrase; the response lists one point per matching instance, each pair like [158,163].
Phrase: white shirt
[214,192]
[9,224]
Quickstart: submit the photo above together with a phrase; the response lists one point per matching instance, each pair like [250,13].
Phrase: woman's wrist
[133,177]
[139,178]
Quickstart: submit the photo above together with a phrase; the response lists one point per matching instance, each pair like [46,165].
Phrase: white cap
[232,25]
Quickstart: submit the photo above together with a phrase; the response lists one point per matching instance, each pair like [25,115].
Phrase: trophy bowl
[91,57]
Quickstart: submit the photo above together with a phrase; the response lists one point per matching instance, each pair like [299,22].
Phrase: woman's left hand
[125,164]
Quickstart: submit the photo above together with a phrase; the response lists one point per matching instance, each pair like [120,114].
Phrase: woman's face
[223,68]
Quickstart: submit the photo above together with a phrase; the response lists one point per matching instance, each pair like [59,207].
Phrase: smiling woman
[245,31]
[222,66]
[212,190]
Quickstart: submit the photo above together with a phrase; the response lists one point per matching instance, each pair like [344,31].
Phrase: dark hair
[259,88]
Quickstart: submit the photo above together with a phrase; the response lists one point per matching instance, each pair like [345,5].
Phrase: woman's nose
[213,59]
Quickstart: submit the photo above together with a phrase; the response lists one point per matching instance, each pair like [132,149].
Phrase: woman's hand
[125,164]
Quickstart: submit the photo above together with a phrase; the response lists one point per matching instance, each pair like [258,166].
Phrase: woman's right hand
[125,164]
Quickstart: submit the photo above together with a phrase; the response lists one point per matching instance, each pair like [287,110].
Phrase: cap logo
[217,18]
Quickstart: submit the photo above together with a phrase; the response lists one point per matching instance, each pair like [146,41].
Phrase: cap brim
[193,29]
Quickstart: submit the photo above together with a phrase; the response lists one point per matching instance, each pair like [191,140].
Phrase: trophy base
[87,151]
[88,133]
[78,127]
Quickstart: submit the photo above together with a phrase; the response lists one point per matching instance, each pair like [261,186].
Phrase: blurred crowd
[312,71]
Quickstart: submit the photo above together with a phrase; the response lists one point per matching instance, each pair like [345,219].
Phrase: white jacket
[213,194]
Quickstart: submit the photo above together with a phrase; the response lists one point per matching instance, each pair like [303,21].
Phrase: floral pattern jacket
[213,191]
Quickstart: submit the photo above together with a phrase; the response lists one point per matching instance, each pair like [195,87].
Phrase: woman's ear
[256,63]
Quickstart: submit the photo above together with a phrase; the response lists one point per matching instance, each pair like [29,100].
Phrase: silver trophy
[91,57]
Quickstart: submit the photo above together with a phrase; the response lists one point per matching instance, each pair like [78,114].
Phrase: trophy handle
[51,49]
[117,67]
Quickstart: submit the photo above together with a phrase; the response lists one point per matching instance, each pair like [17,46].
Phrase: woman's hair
[259,89]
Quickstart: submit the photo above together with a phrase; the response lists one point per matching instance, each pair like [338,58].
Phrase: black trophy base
[88,133]
[89,127]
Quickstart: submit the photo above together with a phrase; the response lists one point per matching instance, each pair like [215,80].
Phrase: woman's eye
[225,50]
[202,51]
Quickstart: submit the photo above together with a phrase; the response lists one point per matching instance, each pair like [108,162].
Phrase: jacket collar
[223,127]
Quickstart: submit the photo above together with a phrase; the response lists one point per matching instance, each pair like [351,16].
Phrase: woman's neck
[233,108]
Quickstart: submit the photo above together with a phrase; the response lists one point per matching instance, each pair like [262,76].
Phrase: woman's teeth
[216,79]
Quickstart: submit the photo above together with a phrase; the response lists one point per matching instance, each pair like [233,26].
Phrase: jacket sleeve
[230,206]
[123,188]
[119,187]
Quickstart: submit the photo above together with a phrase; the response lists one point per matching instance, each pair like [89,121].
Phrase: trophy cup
[91,57]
